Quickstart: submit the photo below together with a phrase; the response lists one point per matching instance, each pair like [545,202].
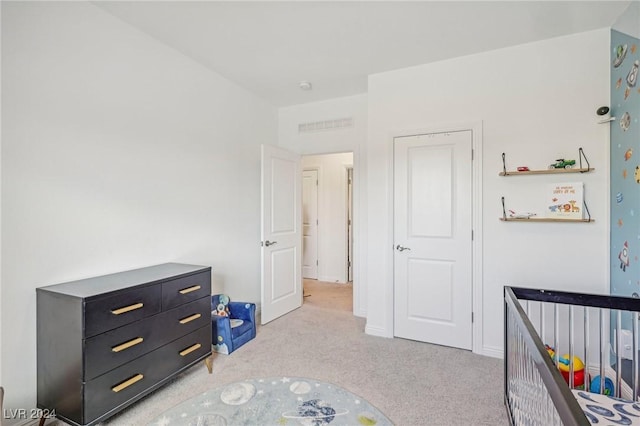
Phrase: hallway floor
[328,295]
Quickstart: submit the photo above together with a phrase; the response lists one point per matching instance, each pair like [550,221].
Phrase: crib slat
[618,343]
[542,334]
[602,350]
[587,381]
[571,366]
[556,335]
[634,328]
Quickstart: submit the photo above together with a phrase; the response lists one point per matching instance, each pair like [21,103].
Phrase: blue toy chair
[236,328]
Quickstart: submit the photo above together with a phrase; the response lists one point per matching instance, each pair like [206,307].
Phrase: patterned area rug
[274,401]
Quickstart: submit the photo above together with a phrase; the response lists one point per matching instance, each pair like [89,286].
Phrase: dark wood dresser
[105,342]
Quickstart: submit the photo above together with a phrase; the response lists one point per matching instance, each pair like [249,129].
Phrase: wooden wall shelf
[505,218]
[545,172]
[543,219]
[550,171]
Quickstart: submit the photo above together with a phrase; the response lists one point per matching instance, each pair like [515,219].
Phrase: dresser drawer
[115,311]
[116,347]
[120,385]
[185,289]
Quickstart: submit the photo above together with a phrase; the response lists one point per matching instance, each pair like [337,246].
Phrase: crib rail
[535,392]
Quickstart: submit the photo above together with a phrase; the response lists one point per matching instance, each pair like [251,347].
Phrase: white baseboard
[492,351]
[330,279]
[376,331]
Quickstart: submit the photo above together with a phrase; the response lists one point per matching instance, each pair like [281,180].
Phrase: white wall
[629,21]
[537,102]
[117,152]
[332,213]
[1,7]
[351,139]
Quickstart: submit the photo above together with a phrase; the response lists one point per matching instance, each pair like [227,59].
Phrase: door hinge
[472,235]
[471,316]
[316,182]
[472,154]
[316,263]
[316,222]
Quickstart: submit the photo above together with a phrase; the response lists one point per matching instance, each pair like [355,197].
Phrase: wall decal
[625,121]
[632,77]
[621,52]
[624,257]
[625,105]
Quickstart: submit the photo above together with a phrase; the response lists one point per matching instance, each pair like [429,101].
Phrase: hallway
[328,295]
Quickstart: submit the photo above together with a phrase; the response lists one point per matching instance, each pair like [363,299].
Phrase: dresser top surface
[95,286]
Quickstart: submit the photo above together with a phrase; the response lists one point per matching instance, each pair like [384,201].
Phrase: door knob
[270,243]
[401,248]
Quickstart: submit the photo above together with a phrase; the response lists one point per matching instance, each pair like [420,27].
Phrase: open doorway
[327,216]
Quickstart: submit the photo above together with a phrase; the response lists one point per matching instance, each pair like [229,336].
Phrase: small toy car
[561,163]
[523,169]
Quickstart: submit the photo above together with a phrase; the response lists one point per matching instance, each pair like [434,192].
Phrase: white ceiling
[269,47]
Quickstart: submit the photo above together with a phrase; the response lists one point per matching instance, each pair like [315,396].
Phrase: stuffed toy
[223,307]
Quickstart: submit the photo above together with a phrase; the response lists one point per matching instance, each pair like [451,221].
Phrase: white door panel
[432,234]
[281,194]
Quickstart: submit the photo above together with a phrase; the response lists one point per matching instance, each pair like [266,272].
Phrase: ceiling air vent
[319,126]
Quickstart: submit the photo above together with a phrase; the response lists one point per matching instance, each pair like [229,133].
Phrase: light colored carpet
[412,383]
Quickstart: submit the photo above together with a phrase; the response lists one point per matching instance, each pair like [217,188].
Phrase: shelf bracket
[587,210]
[504,169]
[504,212]
[580,157]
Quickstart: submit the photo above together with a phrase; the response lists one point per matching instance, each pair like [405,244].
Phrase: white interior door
[310,224]
[432,238]
[281,195]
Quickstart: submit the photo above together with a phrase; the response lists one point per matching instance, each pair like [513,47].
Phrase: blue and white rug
[274,401]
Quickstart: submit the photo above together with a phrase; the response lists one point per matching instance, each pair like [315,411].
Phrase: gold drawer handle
[127,309]
[127,383]
[190,289]
[127,345]
[190,349]
[189,319]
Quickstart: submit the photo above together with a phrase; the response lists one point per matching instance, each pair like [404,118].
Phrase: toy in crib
[564,367]
[608,386]
[578,370]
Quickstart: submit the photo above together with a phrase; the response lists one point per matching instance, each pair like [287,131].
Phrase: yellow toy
[578,365]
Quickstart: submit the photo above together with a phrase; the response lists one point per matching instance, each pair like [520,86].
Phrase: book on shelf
[565,200]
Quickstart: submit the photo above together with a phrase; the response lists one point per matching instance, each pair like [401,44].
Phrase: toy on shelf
[608,386]
[523,169]
[561,163]
[515,215]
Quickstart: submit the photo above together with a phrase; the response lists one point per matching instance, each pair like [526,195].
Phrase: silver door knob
[270,243]
[401,248]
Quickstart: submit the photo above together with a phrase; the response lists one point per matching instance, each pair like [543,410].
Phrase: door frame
[359,267]
[349,215]
[476,200]
[318,177]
